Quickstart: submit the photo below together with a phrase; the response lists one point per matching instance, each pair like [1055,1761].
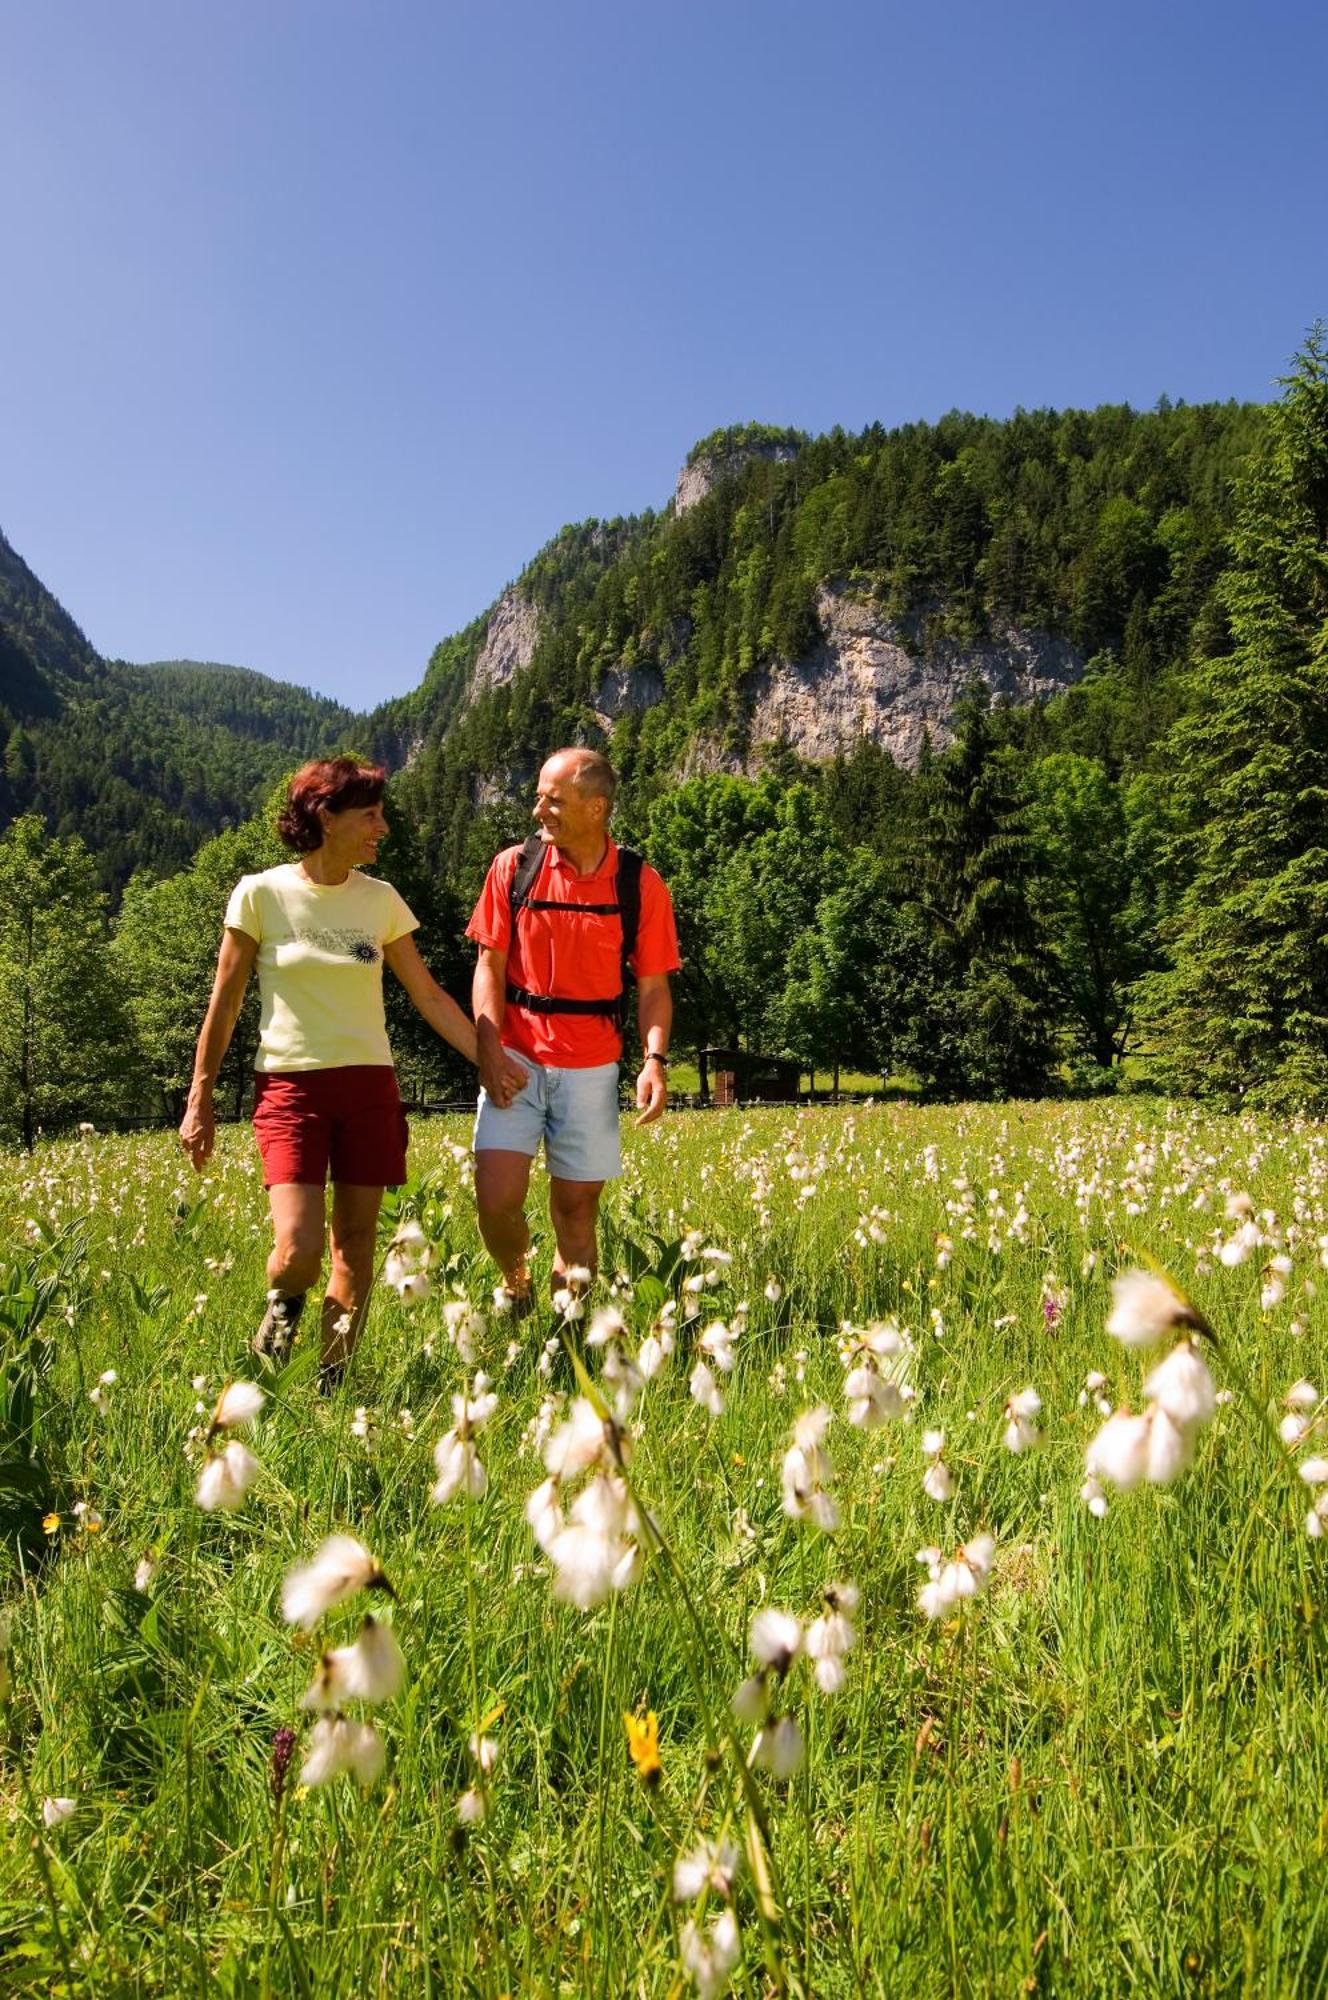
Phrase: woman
[326,1092]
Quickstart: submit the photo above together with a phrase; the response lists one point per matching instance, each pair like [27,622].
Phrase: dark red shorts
[350,1120]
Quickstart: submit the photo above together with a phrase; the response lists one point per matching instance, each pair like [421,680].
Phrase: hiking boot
[272,1342]
[521,1293]
[330,1377]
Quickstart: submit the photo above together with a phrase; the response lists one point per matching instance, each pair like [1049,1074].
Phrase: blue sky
[320,318]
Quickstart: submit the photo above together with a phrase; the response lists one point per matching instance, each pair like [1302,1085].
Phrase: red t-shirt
[570,957]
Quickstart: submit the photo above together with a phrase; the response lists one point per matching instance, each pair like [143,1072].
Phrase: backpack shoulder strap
[629,901]
[525,874]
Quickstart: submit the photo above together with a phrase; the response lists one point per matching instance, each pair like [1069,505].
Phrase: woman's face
[354,835]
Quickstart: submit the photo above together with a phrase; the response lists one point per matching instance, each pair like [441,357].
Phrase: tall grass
[1107,1775]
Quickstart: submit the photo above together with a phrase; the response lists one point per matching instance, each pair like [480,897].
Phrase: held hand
[198,1132]
[517,1078]
[652,1093]
[501,1075]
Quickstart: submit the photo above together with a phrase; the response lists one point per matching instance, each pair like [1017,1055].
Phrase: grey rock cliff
[627,689]
[509,644]
[704,473]
[867,678]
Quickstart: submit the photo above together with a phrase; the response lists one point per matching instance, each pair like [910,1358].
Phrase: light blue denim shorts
[574,1111]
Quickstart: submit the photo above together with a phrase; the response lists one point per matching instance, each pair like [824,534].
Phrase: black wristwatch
[653,1055]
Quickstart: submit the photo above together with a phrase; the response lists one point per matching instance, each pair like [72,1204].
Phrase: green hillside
[142,763]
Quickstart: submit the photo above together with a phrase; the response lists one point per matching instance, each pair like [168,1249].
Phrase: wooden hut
[741,1076]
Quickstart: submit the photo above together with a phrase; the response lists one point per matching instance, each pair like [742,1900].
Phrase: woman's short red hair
[339,783]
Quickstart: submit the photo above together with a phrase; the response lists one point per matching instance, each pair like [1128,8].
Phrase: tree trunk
[703,1072]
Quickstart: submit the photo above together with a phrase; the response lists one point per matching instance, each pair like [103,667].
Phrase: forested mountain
[797,596]
[815,592]
[143,763]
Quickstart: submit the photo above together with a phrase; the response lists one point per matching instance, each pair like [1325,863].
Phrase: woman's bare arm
[235,962]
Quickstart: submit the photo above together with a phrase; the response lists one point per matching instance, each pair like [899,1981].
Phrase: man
[548,993]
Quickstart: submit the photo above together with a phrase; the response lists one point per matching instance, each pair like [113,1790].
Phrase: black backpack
[627,889]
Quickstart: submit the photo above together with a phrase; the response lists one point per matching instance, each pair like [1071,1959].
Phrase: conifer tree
[1245,1008]
[977,863]
[63,1035]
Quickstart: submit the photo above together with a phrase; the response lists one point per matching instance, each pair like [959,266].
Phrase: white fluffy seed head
[226,1478]
[775,1639]
[1182,1386]
[238,1404]
[341,1567]
[1145,1308]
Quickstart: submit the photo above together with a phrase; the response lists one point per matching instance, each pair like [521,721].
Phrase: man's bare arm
[654,1018]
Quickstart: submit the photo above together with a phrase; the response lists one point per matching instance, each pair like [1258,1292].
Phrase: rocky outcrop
[702,474]
[869,677]
[625,691]
[509,643]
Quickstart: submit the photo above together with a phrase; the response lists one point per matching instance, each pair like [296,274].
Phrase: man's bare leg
[574,1212]
[502,1180]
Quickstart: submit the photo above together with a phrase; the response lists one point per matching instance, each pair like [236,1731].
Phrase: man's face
[564,813]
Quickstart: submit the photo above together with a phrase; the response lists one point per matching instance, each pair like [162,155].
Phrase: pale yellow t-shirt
[320,964]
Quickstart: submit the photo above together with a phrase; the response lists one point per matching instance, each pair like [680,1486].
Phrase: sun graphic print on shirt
[343,944]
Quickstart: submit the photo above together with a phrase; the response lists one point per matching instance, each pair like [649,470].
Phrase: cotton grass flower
[237,1405]
[484,1752]
[831,1637]
[337,1746]
[964,1576]
[705,1390]
[652,1355]
[606,1324]
[405,1267]
[1145,1308]
[341,1567]
[711,1866]
[779,1748]
[873,1400]
[465,1328]
[594,1553]
[807,1473]
[371,1670]
[544,1516]
[1021,1432]
[578,1443]
[58,1812]
[1183,1387]
[225,1479]
[716,1343]
[455,1458]
[937,1480]
[775,1640]
[1274,1278]
[709,1956]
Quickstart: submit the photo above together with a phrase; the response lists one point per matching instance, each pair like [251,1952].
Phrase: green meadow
[1102,1771]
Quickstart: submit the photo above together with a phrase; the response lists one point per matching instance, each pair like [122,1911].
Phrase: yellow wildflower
[643,1745]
